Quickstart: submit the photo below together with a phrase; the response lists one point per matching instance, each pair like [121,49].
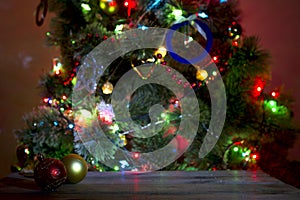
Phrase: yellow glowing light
[112,9]
[123,138]
[102,5]
[74,81]
[201,74]
[107,88]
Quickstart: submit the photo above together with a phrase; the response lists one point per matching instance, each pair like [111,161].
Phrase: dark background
[24,57]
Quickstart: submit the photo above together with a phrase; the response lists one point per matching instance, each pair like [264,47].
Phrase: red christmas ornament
[50,173]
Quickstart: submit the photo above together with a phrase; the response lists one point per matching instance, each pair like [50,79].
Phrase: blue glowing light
[71,126]
[203,15]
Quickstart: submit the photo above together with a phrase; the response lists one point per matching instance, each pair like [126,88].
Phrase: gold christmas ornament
[76,167]
[107,88]
[201,74]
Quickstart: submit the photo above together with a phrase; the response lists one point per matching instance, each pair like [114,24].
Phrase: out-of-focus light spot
[235,149]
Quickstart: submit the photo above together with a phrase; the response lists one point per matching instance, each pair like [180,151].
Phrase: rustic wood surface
[156,185]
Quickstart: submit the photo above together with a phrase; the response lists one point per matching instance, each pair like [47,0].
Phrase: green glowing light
[235,149]
[272,103]
[85,7]
[119,28]
[115,128]
[177,13]
[275,108]
[74,81]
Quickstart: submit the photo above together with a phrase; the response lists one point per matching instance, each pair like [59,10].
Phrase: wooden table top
[156,185]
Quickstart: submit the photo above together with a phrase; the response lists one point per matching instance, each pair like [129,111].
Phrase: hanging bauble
[109,7]
[22,154]
[107,88]
[201,74]
[76,168]
[50,173]
[234,30]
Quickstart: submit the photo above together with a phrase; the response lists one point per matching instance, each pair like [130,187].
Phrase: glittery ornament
[50,173]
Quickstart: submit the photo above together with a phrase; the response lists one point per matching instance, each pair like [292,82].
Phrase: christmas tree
[105,43]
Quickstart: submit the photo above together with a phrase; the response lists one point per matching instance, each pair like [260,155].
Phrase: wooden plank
[157,185]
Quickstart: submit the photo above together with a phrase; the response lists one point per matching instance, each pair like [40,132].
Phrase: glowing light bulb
[177,13]
[258,89]
[272,103]
[55,172]
[71,126]
[85,7]
[107,88]
[136,155]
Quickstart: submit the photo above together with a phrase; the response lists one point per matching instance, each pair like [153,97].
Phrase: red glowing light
[55,172]
[112,3]
[254,156]
[215,58]
[275,94]
[136,155]
[46,100]
[258,89]
[130,4]
[235,43]
[64,97]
